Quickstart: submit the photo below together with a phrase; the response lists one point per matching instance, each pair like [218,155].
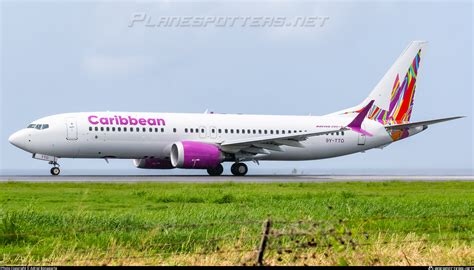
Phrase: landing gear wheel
[55,171]
[215,171]
[239,169]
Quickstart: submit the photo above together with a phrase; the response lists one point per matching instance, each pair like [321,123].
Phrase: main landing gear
[239,169]
[55,170]
[215,171]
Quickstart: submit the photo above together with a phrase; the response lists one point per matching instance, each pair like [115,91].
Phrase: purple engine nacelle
[153,163]
[195,155]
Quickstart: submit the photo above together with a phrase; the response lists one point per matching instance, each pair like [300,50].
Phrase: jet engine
[152,163]
[195,155]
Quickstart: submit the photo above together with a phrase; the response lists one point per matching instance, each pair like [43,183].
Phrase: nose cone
[18,139]
[13,139]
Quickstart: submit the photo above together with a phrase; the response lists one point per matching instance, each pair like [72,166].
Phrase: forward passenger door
[71,126]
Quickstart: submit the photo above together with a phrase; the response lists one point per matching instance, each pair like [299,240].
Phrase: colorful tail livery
[394,96]
[395,93]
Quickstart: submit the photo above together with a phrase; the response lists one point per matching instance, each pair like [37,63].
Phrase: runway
[221,179]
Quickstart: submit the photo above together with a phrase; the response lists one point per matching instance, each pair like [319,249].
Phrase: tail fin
[395,92]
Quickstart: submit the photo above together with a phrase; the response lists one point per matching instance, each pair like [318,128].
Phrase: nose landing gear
[55,170]
[51,160]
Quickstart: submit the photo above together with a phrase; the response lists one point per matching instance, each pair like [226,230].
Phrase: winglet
[356,124]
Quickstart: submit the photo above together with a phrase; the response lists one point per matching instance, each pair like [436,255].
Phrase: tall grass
[51,221]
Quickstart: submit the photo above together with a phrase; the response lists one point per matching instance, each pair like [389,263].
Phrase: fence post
[263,244]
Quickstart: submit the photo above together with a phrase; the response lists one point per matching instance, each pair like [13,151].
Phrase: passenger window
[151,130]
[337,133]
[185,130]
[156,129]
[191,130]
[225,130]
[202,130]
[107,128]
[101,128]
[96,129]
[213,130]
[254,131]
[282,132]
[144,129]
[131,129]
[137,129]
[90,128]
[119,129]
[342,133]
[271,131]
[125,129]
[289,131]
[174,130]
[248,131]
[113,128]
[277,132]
[265,131]
[231,130]
[237,131]
[219,131]
[259,131]
[162,129]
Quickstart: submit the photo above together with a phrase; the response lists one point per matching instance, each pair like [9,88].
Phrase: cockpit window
[38,126]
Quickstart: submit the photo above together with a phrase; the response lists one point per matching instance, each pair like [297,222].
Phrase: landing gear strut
[239,169]
[215,171]
[55,170]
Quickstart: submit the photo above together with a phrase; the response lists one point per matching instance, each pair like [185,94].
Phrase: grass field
[355,223]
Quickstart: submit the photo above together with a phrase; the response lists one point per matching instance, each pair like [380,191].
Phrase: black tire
[215,171]
[233,169]
[55,171]
[239,169]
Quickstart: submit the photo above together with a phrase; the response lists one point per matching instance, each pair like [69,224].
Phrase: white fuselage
[88,135]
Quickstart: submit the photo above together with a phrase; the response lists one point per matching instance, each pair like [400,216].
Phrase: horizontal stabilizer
[421,123]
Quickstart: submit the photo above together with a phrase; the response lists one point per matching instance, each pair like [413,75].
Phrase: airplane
[205,141]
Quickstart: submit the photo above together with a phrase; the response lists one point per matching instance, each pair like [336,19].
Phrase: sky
[73,56]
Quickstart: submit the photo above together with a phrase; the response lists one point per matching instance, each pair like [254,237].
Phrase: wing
[254,148]
[421,123]
[262,145]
